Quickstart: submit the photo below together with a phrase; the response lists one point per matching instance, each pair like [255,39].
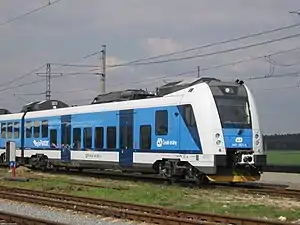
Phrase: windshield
[234,112]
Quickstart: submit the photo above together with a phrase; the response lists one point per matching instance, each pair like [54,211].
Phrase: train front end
[240,133]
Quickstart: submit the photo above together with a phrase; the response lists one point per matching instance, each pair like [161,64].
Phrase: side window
[44,128]
[3,130]
[16,130]
[111,137]
[87,137]
[36,129]
[123,137]
[9,130]
[145,137]
[28,129]
[77,138]
[99,137]
[53,137]
[66,133]
[189,116]
[161,122]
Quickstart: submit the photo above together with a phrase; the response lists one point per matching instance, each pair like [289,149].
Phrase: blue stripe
[193,130]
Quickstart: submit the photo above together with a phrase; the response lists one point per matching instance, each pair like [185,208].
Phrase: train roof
[134,94]
[43,105]
[4,111]
[172,96]
[175,86]
[124,95]
[172,99]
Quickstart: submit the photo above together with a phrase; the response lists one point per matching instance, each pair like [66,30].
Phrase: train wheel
[201,179]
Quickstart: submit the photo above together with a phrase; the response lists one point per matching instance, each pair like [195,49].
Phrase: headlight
[217,135]
[256,136]
[257,142]
[218,142]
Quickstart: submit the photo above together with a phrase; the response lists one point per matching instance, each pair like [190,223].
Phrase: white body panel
[257,147]
[95,156]
[206,160]
[193,159]
[207,120]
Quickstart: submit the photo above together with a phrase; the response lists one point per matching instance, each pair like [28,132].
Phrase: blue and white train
[206,131]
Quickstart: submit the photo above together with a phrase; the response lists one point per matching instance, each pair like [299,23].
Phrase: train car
[208,131]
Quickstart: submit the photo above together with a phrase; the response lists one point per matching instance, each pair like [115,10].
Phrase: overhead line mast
[103,74]
[48,81]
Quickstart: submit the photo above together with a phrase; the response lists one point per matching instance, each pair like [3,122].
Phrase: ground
[229,202]
[291,157]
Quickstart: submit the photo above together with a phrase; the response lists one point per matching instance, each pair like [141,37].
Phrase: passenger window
[67,133]
[111,137]
[16,130]
[3,130]
[28,129]
[161,122]
[99,137]
[87,137]
[44,128]
[189,116]
[36,129]
[53,138]
[77,138]
[145,137]
[9,130]
[123,137]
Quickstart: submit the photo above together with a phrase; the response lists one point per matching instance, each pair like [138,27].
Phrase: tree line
[282,142]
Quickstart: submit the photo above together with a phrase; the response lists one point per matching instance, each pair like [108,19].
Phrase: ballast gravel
[57,215]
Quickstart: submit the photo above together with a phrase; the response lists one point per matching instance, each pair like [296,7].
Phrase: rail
[16,219]
[136,212]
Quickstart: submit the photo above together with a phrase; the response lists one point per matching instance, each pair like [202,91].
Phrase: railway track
[254,188]
[15,219]
[135,212]
[274,191]
[262,189]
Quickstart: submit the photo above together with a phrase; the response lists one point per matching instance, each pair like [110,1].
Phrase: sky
[65,32]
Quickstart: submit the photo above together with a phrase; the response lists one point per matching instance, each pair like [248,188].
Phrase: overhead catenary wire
[211,44]
[161,77]
[59,64]
[275,63]
[74,65]
[215,67]
[21,85]
[191,49]
[23,76]
[42,80]
[78,60]
[202,69]
[57,92]
[29,12]
[294,74]
[211,53]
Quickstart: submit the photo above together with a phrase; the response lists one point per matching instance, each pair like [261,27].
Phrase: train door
[66,138]
[53,138]
[126,138]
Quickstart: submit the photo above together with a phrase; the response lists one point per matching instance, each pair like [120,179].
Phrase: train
[206,130]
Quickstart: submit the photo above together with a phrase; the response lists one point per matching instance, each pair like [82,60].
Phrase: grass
[229,202]
[283,157]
